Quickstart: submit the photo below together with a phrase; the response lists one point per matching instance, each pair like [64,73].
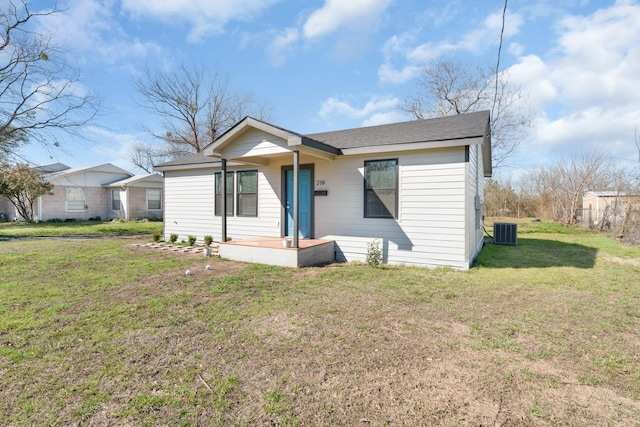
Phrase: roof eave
[412,146]
[215,164]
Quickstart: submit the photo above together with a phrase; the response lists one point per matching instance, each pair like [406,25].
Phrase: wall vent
[505,233]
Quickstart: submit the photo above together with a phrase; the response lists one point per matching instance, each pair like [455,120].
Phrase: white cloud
[206,17]
[594,130]
[89,27]
[335,107]
[385,118]
[489,33]
[403,49]
[398,45]
[599,57]
[280,44]
[336,14]
[388,74]
[355,20]
[112,147]
[516,49]
[586,93]
[532,76]
[337,112]
[583,91]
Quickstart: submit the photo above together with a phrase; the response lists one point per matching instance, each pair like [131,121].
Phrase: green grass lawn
[97,332]
[51,229]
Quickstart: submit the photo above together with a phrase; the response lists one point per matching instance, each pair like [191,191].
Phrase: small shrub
[192,240]
[208,240]
[156,236]
[173,237]
[374,253]
[229,239]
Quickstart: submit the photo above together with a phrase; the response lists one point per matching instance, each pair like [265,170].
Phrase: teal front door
[304,201]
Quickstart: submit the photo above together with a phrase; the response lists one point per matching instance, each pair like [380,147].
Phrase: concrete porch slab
[271,251]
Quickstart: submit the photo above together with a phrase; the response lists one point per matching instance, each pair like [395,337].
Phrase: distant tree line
[555,193]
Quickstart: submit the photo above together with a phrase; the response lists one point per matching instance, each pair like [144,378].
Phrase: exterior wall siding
[257,143]
[475,208]
[429,230]
[189,206]
[435,197]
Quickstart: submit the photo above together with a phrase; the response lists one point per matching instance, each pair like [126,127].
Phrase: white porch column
[223,182]
[296,190]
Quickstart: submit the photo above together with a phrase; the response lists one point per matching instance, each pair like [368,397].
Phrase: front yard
[11,230]
[99,332]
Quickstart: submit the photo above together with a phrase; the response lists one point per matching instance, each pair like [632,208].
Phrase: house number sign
[320,183]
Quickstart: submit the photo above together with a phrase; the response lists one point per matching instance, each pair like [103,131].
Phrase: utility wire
[495,95]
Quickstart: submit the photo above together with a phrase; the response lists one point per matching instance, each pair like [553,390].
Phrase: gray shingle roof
[192,159]
[461,126]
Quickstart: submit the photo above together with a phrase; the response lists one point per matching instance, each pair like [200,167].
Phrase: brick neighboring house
[90,192]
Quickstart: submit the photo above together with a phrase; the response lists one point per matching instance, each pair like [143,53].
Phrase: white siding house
[417,186]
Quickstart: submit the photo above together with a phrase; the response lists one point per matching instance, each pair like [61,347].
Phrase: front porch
[271,251]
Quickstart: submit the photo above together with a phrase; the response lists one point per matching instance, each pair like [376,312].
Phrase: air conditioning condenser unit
[505,233]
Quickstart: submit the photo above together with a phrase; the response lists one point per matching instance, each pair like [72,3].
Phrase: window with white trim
[154,199]
[115,199]
[75,199]
[218,194]
[381,188]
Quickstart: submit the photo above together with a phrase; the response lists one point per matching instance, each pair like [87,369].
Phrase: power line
[495,95]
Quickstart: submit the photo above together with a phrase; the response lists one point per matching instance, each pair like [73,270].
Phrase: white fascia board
[412,146]
[196,166]
[293,140]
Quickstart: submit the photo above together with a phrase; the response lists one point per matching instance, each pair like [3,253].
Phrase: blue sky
[333,64]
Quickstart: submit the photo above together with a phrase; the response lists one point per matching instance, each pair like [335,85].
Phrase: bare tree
[561,187]
[195,107]
[40,93]
[446,88]
[506,197]
[22,185]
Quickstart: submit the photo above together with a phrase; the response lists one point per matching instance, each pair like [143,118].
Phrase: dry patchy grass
[92,343]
